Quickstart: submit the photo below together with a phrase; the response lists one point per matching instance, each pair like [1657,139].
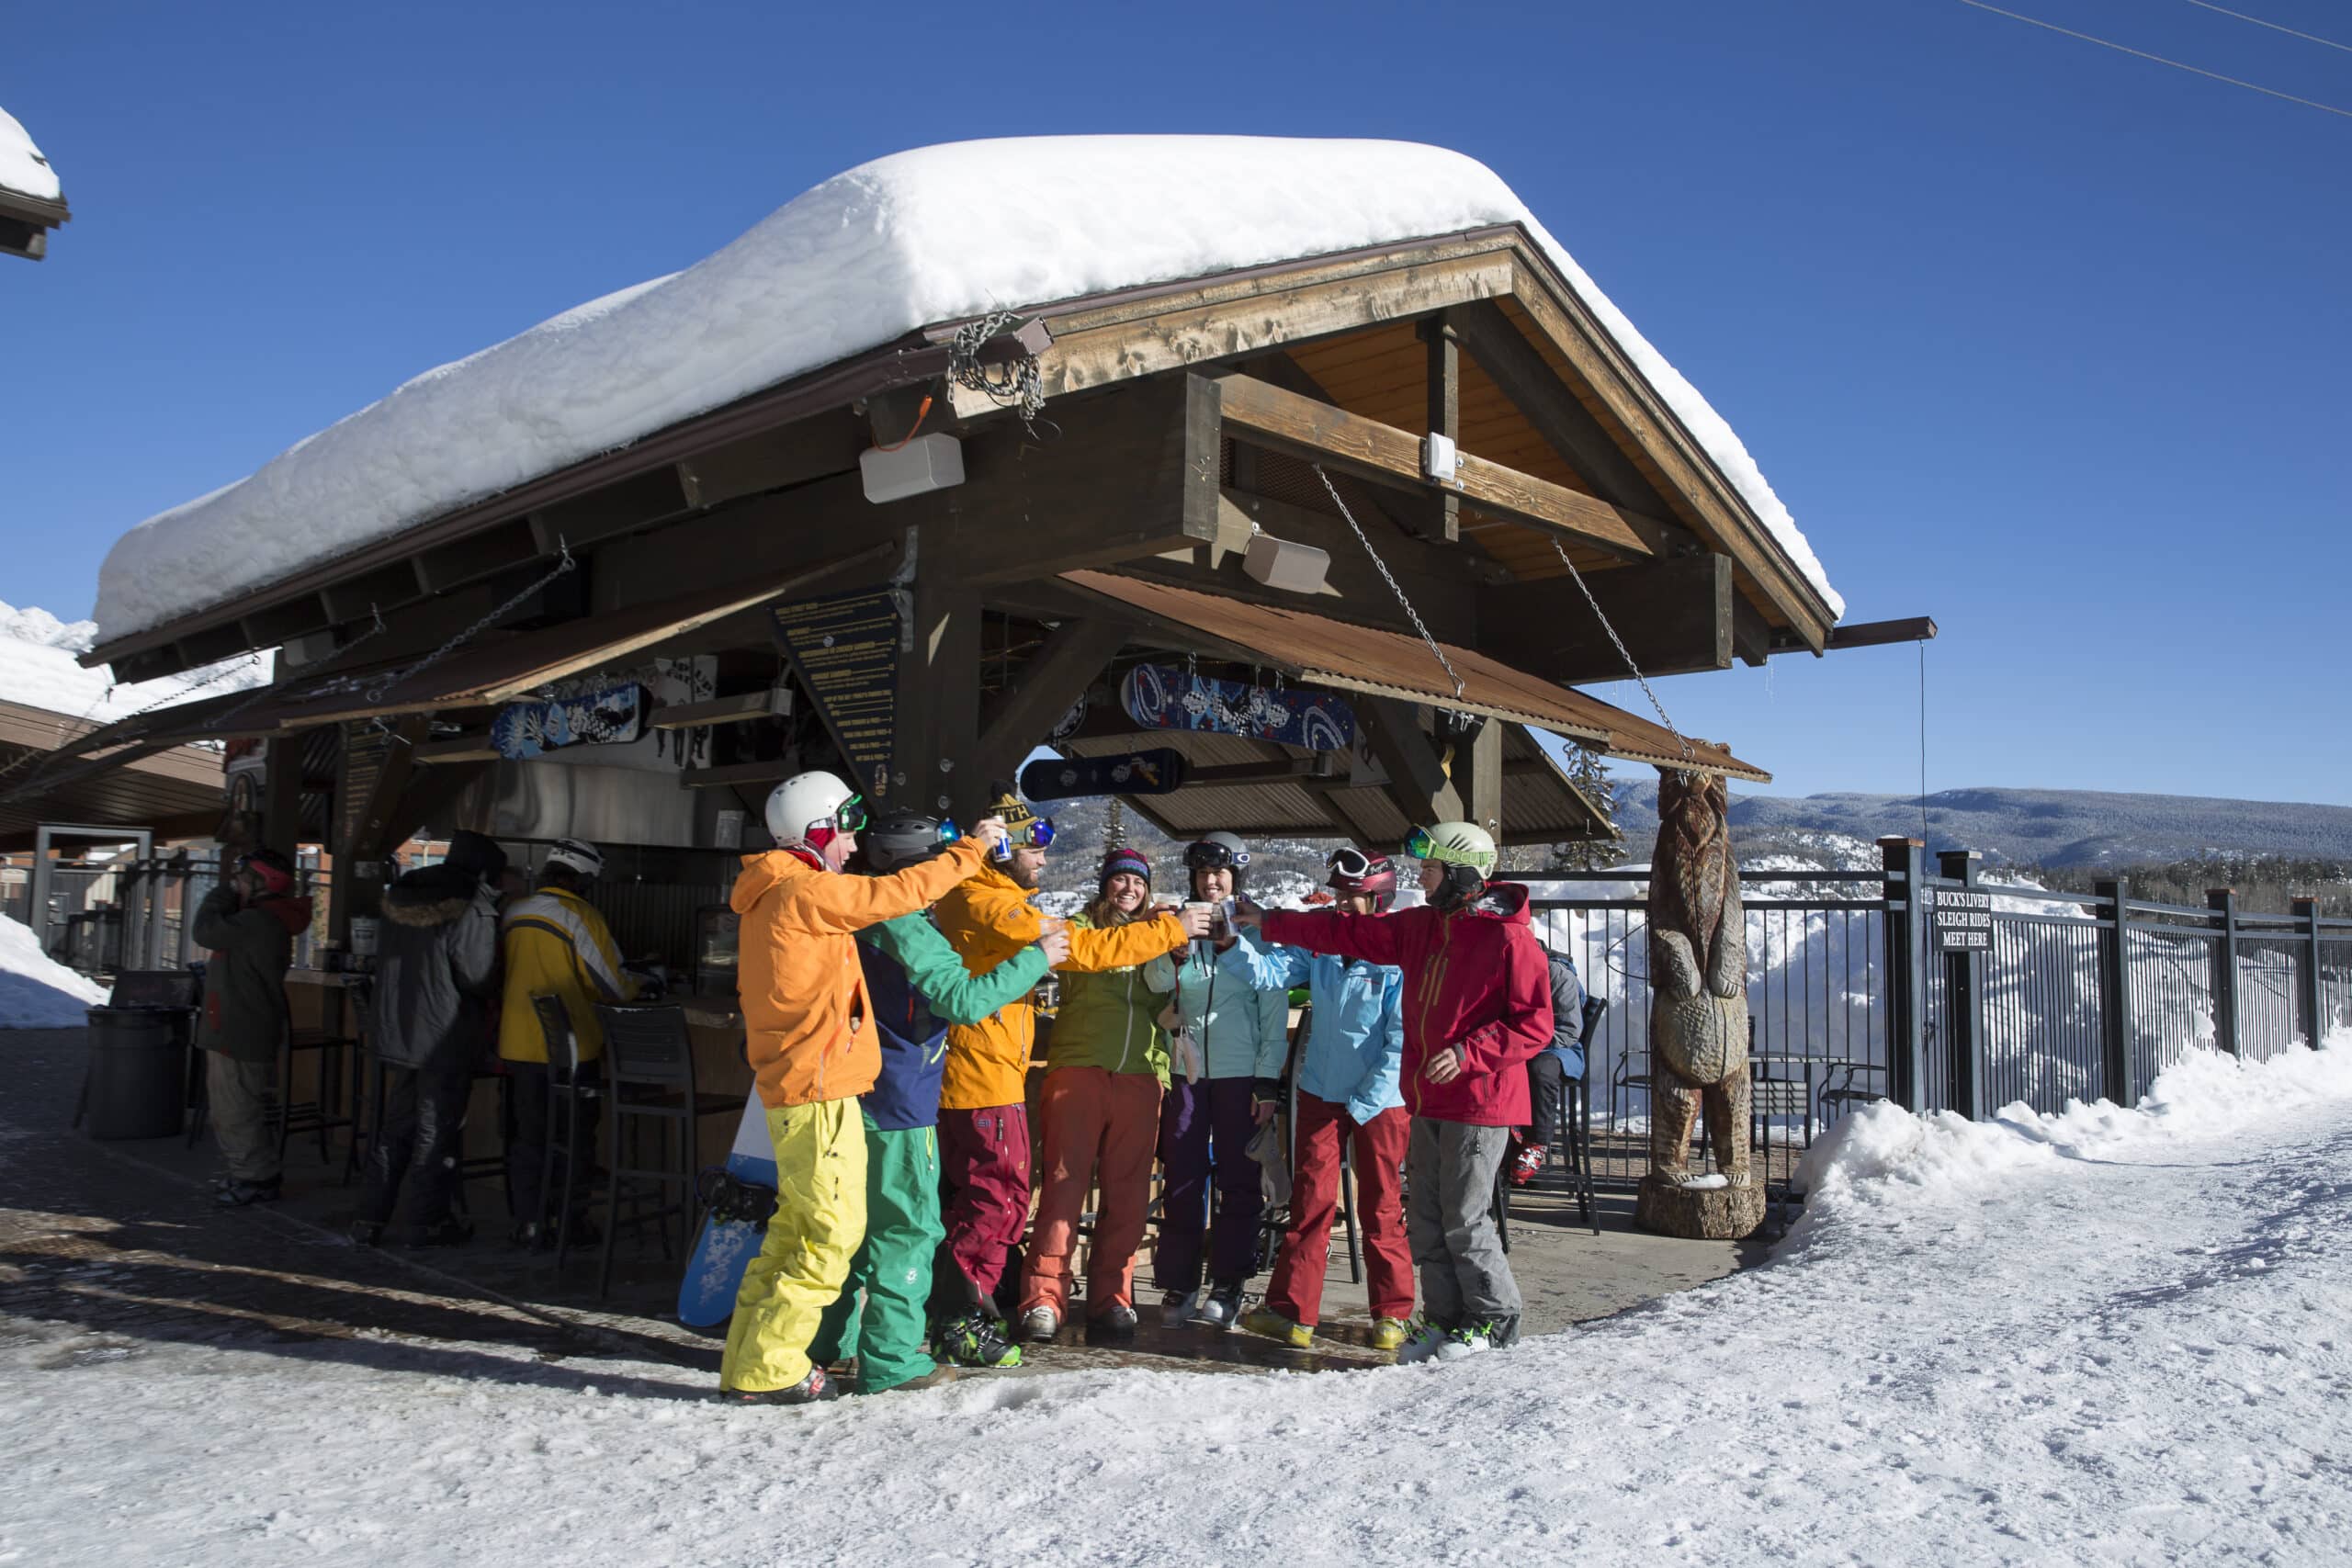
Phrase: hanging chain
[1435,652]
[47,760]
[1015,384]
[337,656]
[1639,679]
[376,693]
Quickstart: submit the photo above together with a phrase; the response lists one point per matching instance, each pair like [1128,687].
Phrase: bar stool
[322,1115]
[650,1080]
[570,1092]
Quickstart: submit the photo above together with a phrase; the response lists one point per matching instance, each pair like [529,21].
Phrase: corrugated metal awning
[1321,651]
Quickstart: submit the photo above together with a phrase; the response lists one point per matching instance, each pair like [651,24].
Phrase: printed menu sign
[844,648]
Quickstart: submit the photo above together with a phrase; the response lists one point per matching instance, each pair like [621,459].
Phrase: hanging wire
[47,760]
[1639,679]
[2160,59]
[2258,21]
[1438,653]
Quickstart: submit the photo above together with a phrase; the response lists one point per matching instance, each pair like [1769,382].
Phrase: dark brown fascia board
[34,208]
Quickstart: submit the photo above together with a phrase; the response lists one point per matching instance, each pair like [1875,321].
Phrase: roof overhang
[42,780]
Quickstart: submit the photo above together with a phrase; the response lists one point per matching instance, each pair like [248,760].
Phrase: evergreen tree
[1590,773]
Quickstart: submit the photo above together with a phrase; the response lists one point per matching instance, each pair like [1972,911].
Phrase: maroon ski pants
[984,1163]
[1297,1290]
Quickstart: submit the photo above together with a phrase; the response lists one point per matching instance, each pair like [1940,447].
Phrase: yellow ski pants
[818,1221]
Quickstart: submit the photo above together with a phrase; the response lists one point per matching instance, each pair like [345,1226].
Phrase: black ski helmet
[900,840]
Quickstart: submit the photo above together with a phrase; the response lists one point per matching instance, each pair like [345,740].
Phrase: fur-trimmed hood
[433,897]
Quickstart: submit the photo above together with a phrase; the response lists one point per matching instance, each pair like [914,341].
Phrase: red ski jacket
[1475,978]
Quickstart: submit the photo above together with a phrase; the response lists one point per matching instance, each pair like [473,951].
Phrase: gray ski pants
[1449,1170]
[240,1100]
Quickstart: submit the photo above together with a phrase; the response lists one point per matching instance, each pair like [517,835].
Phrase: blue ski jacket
[1243,1028]
[1355,1037]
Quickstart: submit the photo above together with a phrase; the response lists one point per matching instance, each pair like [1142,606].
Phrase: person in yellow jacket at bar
[983,1109]
[811,1038]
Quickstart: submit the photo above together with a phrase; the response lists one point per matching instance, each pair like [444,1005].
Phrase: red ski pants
[1095,1120]
[984,1162]
[1297,1291]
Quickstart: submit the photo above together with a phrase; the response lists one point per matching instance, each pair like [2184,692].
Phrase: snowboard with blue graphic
[707,1294]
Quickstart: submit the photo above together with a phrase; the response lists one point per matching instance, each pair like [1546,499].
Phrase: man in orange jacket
[810,1038]
[983,1110]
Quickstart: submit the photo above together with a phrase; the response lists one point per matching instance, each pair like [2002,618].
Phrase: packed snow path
[2110,1338]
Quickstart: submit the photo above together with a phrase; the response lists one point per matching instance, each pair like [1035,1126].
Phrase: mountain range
[2034,827]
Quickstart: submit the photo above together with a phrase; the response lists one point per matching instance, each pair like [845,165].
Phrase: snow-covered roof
[22,167]
[912,240]
[38,670]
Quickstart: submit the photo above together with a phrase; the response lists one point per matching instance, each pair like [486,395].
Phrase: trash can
[137,1067]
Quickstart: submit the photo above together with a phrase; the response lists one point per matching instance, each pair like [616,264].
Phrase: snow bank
[1881,1157]
[36,992]
[22,167]
[911,240]
[37,669]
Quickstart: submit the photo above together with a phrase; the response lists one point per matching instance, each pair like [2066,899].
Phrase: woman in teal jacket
[1242,1035]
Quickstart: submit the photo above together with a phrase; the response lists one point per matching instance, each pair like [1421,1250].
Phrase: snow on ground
[22,167]
[37,669]
[36,992]
[916,238]
[2111,1337]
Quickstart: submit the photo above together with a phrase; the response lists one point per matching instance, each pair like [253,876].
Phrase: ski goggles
[1422,844]
[1351,864]
[850,816]
[1212,857]
[1038,832]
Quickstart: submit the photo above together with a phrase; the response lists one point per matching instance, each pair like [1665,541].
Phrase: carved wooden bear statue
[1698,950]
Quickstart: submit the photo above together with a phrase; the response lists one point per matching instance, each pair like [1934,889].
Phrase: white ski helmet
[806,804]
[576,855]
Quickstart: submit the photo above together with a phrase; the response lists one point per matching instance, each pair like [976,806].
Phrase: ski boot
[1221,1310]
[814,1389]
[1421,1344]
[1529,1165]
[1470,1339]
[1040,1324]
[1389,1333]
[1176,1308]
[975,1339]
[239,1194]
[1273,1326]
[1112,1328]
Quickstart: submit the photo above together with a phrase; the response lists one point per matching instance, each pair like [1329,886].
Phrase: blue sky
[2049,343]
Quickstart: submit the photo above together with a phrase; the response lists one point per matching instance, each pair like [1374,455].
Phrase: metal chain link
[376,693]
[1688,755]
[1014,384]
[47,760]
[1435,650]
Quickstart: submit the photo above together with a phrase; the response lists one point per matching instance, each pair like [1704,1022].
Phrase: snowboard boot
[1421,1344]
[1389,1333]
[817,1387]
[1221,1310]
[1112,1328]
[1273,1326]
[1040,1324]
[975,1339]
[239,1194]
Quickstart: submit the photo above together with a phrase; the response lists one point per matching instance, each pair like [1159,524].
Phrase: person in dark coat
[437,984]
[1550,1070]
[249,921]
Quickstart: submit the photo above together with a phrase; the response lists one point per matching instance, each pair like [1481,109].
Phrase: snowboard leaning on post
[740,1196]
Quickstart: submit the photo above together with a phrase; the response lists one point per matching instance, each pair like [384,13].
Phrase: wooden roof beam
[1321,433]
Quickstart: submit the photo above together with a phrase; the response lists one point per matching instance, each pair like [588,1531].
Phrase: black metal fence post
[2115,999]
[1964,1001]
[2308,1010]
[2223,902]
[1905,862]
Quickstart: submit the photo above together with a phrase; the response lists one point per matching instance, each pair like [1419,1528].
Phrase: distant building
[31,202]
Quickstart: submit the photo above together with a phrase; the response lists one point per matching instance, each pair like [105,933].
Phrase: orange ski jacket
[808,1027]
[989,919]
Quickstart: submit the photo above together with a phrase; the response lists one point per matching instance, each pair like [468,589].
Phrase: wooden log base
[1699,1213]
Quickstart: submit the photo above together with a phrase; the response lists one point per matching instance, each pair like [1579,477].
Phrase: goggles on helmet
[1422,844]
[1038,832]
[1351,864]
[850,816]
[1206,856]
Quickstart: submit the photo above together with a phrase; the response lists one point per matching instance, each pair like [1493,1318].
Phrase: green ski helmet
[1465,851]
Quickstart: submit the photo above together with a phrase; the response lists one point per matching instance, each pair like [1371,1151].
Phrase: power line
[2258,21]
[2160,59]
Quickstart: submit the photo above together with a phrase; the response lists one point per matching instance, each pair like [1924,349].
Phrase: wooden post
[1417,781]
[1478,777]
[281,792]
[1905,862]
[1444,412]
[1965,1002]
[935,715]
[2310,1015]
[2115,999]
[2223,902]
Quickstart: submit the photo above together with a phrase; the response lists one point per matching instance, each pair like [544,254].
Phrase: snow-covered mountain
[36,670]
[2035,827]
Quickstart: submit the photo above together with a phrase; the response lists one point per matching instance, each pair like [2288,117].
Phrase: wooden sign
[1157,697]
[1157,771]
[613,717]
[1963,920]
[844,648]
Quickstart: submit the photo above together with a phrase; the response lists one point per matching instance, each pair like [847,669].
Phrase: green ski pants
[893,1264]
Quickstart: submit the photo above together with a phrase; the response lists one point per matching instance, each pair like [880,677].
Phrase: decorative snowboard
[1157,697]
[744,1197]
[1157,771]
[613,717]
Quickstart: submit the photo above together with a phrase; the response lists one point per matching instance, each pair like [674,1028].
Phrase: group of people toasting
[886,973]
